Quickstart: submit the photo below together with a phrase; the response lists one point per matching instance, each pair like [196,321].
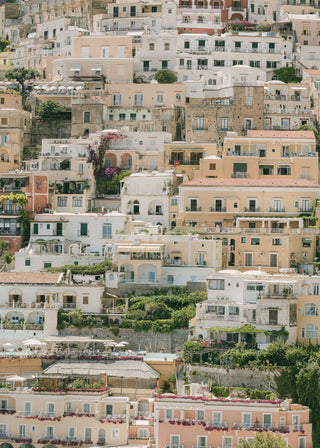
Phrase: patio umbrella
[34,343]
[52,88]
[8,346]
[61,88]
[79,88]
[16,379]
[37,87]
[70,88]
[124,343]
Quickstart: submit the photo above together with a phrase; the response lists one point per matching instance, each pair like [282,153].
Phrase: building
[204,421]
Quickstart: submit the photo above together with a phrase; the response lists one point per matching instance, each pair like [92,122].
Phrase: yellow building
[308,319]
[185,157]
[5,63]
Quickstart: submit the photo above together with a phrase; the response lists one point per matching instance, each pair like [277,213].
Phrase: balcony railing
[50,415]
[240,175]
[26,414]
[193,209]
[218,209]
[69,305]
[252,209]
[277,210]
[186,162]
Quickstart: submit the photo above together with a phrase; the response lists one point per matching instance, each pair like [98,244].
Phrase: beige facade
[237,109]
[264,155]
[308,320]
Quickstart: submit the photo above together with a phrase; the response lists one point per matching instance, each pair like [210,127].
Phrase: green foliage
[115,331]
[287,75]
[21,74]
[254,394]
[3,45]
[15,198]
[189,348]
[306,127]
[172,379]
[162,313]
[49,108]
[165,76]
[26,225]
[65,165]
[4,246]
[264,441]
[96,269]
[8,258]
[111,186]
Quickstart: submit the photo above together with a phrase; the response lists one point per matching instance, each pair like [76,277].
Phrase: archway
[14,317]
[133,207]
[126,162]
[128,270]
[27,445]
[110,160]
[6,445]
[36,317]
[155,208]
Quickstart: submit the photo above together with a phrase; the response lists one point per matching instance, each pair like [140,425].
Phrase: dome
[256,273]
[230,272]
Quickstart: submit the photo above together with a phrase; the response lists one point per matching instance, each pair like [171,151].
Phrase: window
[50,409]
[160,98]
[267,421]
[133,117]
[85,300]
[3,430]
[200,415]
[306,242]
[77,201]
[276,241]
[174,201]
[200,123]
[273,317]
[212,166]
[116,100]
[249,101]
[243,239]
[72,433]
[138,99]
[27,262]
[227,442]
[105,52]
[216,284]
[83,229]
[302,442]
[169,414]
[167,46]
[47,265]
[271,64]
[109,409]
[224,124]
[233,311]
[107,230]
[62,201]
[4,121]
[255,241]
[309,309]
[164,64]
[246,420]
[186,44]
[217,418]
[122,117]
[255,64]
[35,229]
[2,100]
[86,117]
[178,97]
[50,432]
[143,433]
[201,441]
[88,435]
[86,408]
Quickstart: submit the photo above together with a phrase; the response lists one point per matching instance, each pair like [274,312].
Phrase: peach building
[191,422]
[264,155]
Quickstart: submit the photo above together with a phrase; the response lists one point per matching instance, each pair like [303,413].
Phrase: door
[193,205]
[252,205]
[87,434]
[50,409]
[151,277]
[174,441]
[248,259]
[201,442]
[27,408]
[273,260]
[59,228]
[217,419]
[273,317]
[246,420]
[109,409]
[267,419]
[218,205]
[296,421]
[305,205]
[277,206]
[22,430]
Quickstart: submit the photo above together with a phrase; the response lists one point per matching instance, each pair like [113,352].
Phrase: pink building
[201,422]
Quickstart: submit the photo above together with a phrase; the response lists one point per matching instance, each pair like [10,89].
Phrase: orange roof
[226,182]
[30,277]
[281,134]
[313,72]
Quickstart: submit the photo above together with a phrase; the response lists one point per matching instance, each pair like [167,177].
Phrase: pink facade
[222,423]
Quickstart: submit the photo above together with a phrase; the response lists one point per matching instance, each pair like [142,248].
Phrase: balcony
[277,210]
[153,213]
[305,210]
[273,322]
[21,438]
[187,162]
[240,175]
[27,414]
[252,209]
[218,209]
[69,305]
[193,209]
[48,416]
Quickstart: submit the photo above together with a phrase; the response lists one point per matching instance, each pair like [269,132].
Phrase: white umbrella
[44,87]
[33,343]
[16,379]
[70,88]
[79,88]
[8,346]
[124,343]
[37,87]
[52,88]
[61,88]
[111,344]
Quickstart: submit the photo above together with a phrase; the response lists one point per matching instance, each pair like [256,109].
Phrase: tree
[287,74]
[306,127]
[3,45]
[165,76]
[261,441]
[49,107]
[21,74]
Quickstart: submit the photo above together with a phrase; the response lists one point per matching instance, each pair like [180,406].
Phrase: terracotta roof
[313,72]
[281,134]
[30,277]
[226,182]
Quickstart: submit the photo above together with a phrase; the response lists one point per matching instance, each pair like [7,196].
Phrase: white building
[146,196]
[68,238]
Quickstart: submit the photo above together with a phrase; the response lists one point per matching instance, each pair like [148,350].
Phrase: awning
[75,68]
[135,33]
[299,88]
[96,67]
[154,249]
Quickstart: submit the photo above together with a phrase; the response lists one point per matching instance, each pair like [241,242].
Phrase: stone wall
[254,379]
[49,129]
[138,340]
[136,289]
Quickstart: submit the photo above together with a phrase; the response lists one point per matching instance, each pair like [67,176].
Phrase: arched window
[309,309]
[309,331]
